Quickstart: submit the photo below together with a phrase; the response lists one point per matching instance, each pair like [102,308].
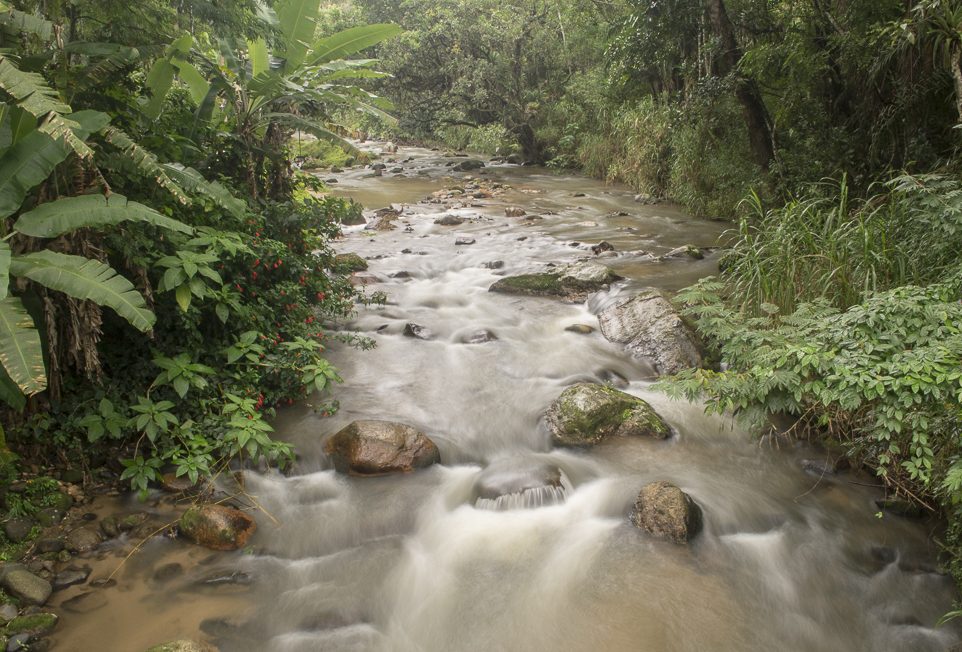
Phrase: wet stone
[461,242]
[103,583]
[217,527]
[25,586]
[494,264]
[182,646]
[49,516]
[18,529]
[168,572]
[85,603]
[602,247]
[34,625]
[417,331]
[667,512]
[67,578]
[479,337]
[370,447]
[7,612]
[580,329]
[83,539]
[236,578]
[514,211]
[612,378]
[449,220]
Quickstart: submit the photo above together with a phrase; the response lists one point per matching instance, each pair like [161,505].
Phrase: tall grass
[827,246]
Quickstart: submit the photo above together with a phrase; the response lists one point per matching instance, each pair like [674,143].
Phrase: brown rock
[514,211]
[217,527]
[380,447]
[667,512]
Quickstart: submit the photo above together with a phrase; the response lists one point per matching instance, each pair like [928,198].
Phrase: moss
[531,284]
[34,625]
[347,263]
[603,411]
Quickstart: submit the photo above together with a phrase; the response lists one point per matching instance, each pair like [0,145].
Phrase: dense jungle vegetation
[167,274]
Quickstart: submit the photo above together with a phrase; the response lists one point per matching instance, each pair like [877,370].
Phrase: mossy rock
[585,414]
[667,512]
[34,625]
[348,263]
[537,285]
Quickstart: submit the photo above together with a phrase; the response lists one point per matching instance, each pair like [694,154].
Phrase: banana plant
[268,95]
[38,133]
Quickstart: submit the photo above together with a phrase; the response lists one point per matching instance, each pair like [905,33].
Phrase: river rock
[18,529]
[449,220]
[469,164]
[462,242]
[347,263]
[573,283]
[24,585]
[83,539]
[371,447]
[602,247]
[182,646]
[667,512]
[479,337]
[580,329]
[383,220]
[511,484]
[514,211]
[66,578]
[685,250]
[417,331]
[7,613]
[649,326]
[217,527]
[493,264]
[86,602]
[34,625]
[586,414]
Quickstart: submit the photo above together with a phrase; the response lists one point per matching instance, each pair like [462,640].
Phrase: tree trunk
[746,90]
[956,55]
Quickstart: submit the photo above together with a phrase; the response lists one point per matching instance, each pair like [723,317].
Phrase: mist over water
[424,562]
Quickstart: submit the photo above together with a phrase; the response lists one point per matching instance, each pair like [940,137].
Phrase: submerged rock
[469,164]
[667,512]
[417,331]
[586,414]
[450,220]
[580,329]
[371,447]
[649,326]
[464,241]
[479,337]
[217,527]
[685,250]
[347,263]
[182,646]
[514,211]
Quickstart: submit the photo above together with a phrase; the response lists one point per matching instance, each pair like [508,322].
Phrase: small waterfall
[529,497]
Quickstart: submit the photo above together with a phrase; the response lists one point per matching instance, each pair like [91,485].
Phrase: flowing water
[424,562]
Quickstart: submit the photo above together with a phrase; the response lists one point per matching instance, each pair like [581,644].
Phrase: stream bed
[787,560]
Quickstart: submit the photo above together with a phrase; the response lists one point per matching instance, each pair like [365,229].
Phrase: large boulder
[217,527]
[573,283]
[469,164]
[585,414]
[667,512]
[24,585]
[371,447]
[649,326]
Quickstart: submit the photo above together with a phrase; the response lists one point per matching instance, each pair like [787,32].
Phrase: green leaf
[83,278]
[10,393]
[55,218]
[222,311]
[314,128]
[25,165]
[145,162]
[298,22]
[21,21]
[4,269]
[194,181]
[31,90]
[260,59]
[160,78]
[196,83]
[351,41]
[20,349]
[183,296]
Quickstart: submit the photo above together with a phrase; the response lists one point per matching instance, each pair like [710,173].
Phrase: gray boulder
[667,512]
[586,414]
[649,326]
[469,164]
[24,585]
[379,448]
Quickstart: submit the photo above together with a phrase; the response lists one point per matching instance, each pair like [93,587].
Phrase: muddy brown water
[787,560]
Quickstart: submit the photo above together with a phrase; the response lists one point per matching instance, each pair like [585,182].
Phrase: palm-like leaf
[298,22]
[144,161]
[195,182]
[21,21]
[87,279]
[4,269]
[312,127]
[55,218]
[351,41]
[20,349]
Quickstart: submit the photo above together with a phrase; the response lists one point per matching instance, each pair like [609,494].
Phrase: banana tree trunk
[956,55]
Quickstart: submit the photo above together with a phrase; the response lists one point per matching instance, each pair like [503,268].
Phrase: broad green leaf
[145,162]
[20,348]
[183,296]
[55,218]
[10,393]
[181,46]
[194,181]
[260,59]
[160,78]
[31,91]
[196,83]
[24,22]
[4,269]
[351,41]
[298,22]
[311,127]
[25,165]
[84,278]
[21,124]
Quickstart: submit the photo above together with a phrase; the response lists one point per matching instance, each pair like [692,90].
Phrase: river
[787,560]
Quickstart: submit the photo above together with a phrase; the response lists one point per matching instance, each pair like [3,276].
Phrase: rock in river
[586,414]
[449,220]
[573,283]
[182,646]
[667,512]
[83,539]
[649,326]
[517,484]
[24,585]
[347,263]
[217,526]
[380,447]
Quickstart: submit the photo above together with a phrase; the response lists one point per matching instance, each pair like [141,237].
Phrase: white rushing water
[435,562]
